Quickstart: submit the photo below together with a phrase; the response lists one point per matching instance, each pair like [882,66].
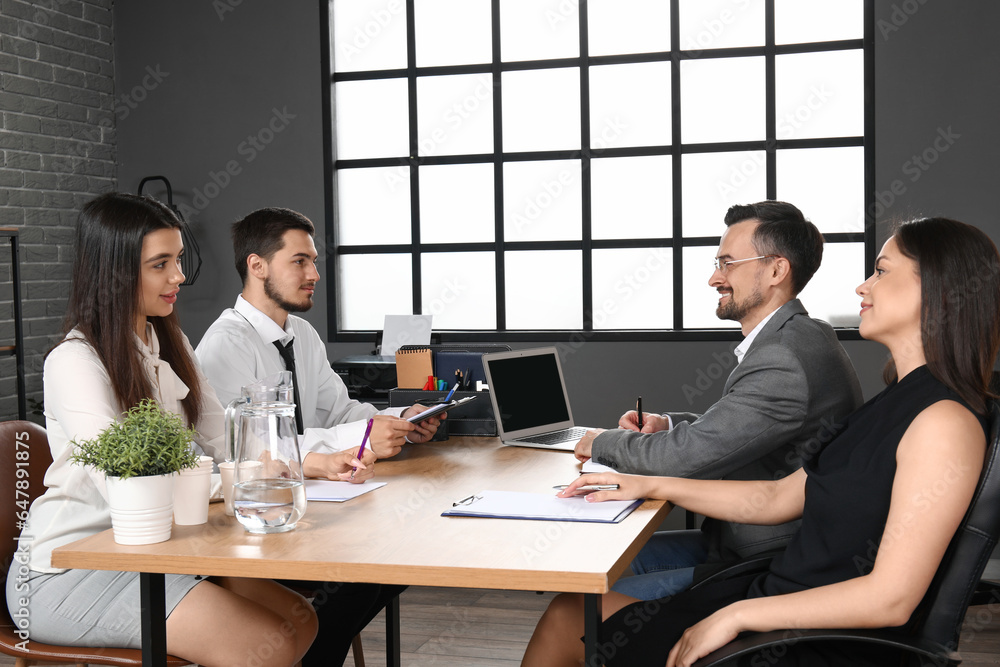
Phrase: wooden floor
[444,627]
[468,628]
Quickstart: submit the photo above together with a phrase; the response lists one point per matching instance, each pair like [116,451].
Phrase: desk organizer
[475,419]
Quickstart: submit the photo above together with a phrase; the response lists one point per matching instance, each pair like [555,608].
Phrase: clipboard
[540,507]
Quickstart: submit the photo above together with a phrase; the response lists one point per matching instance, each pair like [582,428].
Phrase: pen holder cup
[473,419]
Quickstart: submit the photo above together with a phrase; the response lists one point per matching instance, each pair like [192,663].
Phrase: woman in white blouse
[124,344]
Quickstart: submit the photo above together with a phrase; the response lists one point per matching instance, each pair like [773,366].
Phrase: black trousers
[343,610]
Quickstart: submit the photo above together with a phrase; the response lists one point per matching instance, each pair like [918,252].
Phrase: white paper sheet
[337,492]
[400,330]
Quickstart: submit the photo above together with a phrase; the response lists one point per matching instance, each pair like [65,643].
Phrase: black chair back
[940,615]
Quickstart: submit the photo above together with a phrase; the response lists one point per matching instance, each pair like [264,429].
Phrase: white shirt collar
[743,347]
[266,328]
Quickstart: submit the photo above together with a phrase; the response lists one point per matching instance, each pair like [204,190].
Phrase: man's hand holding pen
[651,423]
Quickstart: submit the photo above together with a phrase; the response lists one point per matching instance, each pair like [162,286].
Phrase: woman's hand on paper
[361,470]
[338,466]
[630,487]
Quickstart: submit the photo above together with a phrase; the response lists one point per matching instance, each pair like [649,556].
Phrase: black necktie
[288,355]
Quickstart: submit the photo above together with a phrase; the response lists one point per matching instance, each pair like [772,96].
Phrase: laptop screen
[528,391]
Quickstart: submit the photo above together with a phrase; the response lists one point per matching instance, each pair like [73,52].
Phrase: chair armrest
[781,639]
[752,565]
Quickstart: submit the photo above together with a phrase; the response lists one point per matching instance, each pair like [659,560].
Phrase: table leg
[154,619]
[392,658]
[592,630]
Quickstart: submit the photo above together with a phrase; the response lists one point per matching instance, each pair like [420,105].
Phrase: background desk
[395,534]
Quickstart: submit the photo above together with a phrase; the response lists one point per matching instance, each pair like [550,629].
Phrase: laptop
[529,399]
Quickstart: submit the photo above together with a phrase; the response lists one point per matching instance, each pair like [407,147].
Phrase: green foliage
[147,441]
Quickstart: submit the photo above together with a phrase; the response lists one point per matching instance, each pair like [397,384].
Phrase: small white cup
[192,488]
[226,471]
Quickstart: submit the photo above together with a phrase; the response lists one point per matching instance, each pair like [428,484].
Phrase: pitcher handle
[231,410]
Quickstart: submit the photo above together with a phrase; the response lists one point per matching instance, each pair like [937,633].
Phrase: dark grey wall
[227,74]
[937,135]
[235,125]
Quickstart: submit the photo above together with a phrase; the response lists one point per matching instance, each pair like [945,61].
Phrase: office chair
[25,447]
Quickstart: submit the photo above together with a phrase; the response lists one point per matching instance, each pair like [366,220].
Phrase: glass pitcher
[268,490]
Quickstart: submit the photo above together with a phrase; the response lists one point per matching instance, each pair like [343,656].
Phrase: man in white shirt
[792,386]
[276,260]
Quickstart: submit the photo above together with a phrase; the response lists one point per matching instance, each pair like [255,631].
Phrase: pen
[638,408]
[448,397]
[590,487]
[368,431]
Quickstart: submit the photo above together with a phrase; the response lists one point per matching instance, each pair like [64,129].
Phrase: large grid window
[540,168]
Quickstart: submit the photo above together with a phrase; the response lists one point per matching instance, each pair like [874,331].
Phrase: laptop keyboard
[572,433]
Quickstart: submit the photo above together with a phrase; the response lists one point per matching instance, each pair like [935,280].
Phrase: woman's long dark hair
[104,298]
[959,289]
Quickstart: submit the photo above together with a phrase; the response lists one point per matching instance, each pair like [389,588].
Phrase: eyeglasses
[722,266]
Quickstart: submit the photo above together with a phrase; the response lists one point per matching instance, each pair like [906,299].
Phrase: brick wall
[58,147]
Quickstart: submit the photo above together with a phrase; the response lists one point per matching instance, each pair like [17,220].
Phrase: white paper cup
[226,472]
[192,488]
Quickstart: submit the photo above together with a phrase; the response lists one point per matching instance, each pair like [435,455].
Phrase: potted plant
[139,455]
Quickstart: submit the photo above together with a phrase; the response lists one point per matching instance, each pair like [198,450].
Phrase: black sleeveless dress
[848,489]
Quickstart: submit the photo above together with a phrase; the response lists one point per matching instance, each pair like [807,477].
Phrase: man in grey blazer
[792,387]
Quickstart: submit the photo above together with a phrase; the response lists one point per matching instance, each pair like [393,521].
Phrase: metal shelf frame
[17,349]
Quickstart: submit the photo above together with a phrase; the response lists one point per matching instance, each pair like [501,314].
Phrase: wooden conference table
[396,535]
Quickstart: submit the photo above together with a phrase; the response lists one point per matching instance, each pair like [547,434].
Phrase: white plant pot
[142,508]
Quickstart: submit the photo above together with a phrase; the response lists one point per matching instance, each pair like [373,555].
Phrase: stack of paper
[337,492]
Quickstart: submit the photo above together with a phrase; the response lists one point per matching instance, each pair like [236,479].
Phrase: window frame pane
[673,240]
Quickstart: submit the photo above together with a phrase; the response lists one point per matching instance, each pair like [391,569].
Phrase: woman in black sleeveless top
[879,504]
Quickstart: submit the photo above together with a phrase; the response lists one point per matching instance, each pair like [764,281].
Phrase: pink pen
[368,431]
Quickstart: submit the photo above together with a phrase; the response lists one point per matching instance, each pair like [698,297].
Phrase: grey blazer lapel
[783,314]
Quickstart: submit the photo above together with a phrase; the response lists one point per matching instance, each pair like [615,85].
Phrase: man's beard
[285,305]
[737,310]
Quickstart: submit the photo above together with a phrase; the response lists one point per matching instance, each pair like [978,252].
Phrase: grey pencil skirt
[84,607]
